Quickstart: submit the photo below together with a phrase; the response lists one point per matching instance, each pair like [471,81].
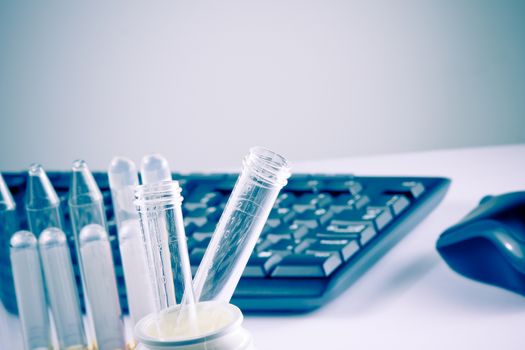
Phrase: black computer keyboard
[322,234]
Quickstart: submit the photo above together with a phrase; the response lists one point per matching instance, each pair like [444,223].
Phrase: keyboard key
[279,216]
[396,203]
[379,216]
[200,216]
[313,218]
[292,232]
[202,197]
[282,246]
[346,247]
[349,201]
[411,189]
[303,184]
[312,201]
[285,200]
[362,231]
[191,243]
[261,263]
[202,243]
[203,232]
[307,265]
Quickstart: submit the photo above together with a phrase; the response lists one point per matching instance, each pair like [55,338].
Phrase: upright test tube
[61,288]
[45,220]
[8,224]
[123,179]
[159,206]
[41,201]
[264,174]
[30,293]
[154,168]
[96,261]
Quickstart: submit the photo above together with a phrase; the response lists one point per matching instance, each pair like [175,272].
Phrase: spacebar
[282,287]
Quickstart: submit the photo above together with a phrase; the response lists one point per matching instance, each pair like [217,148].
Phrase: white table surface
[410,299]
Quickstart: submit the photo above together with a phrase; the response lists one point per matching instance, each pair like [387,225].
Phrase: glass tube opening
[267,167]
[158,196]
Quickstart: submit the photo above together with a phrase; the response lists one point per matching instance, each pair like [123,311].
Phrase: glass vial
[264,174]
[30,294]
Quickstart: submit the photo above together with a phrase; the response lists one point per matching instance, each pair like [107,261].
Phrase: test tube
[154,168]
[62,291]
[264,174]
[96,261]
[123,179]
[29,288]
[41,201]
[8,225]
[159,207]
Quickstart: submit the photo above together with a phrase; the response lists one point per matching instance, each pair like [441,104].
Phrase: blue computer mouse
[488,245]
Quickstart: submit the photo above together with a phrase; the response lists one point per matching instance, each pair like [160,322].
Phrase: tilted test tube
[88,219]
[45,221]
[264,174]
[123,179]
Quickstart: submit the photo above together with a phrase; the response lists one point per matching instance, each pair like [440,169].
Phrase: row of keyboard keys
[307,235]
[362,231]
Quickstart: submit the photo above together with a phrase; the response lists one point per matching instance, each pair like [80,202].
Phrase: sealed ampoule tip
[29,288]
[61,288]
[41,201]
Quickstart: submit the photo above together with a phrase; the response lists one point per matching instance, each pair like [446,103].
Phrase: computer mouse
[488,245]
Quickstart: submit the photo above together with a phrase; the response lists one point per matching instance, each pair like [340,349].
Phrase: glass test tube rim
[162,195]
[270,168]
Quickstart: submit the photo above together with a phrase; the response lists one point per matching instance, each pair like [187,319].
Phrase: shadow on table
[359,300]
[442,289]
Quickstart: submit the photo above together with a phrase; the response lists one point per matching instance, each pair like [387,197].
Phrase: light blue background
[202,81]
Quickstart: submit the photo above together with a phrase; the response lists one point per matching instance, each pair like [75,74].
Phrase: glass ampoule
[30,293]
[101,297]
[44,217]
[264,174]
[123,179]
